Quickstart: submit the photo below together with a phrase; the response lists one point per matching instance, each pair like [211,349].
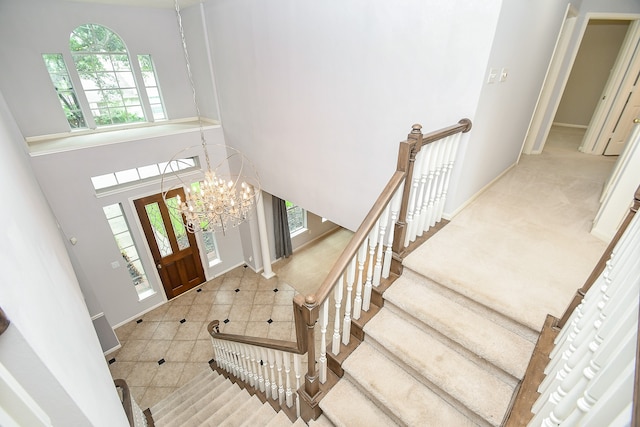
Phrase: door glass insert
[178,227]
[159,232]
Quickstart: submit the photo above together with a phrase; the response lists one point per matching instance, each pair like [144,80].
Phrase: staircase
[430,357]
[212,400]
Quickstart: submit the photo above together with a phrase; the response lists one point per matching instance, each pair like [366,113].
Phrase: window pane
[178,226]
[124,239]
[104,181]
[127,176]
[112,211]
[118,225]
[64,89]
[159,232]
[148,171]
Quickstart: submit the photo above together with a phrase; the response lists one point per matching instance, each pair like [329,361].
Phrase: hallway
[522,247]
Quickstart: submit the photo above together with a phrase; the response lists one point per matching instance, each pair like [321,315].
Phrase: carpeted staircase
[212,400]
[430,357]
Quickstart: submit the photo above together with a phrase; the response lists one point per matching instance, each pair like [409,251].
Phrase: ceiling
[162,4]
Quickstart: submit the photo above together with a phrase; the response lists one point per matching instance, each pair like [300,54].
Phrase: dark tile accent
[160,362]
[226,320]
[139,321]
[183,320]
[245,266]
[112,360]
[199,290]
[275,290]
[237,290]
[261,362]
[269,321]
[211,361]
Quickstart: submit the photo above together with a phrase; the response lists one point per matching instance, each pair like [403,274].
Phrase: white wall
[29,28]
[319,94]
[524,40]
[41,297]
[590,72]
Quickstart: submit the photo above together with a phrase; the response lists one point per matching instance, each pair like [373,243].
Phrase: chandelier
[221,196]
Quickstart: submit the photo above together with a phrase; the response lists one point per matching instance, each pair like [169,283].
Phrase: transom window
[114,180]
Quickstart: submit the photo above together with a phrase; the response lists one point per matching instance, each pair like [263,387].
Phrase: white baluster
[274,386]
[373,241]
[451,156]
[388,253]
[296,368]
[411,205]
[286,359]
[415,201]
[337,295]
[346,324]
[432,181]
[357,302]
[255,356]
[423,192]
[265,367]
[440,180]
[278,356]
[377,270]
[324,320]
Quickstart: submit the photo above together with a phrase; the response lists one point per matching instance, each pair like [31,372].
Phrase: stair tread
[184,392]
[345,405]
[503,348]
[197,401]
[280,419]
[473,386]
[216,412]
[242,412]
[402,395]
[322,421]
[260,417]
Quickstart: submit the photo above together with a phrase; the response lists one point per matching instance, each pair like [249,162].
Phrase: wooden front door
[175,251]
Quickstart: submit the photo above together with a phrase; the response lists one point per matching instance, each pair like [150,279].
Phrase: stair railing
[410,205]
[592,376]
[135,415]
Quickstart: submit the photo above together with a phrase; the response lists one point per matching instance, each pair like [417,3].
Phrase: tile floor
[168,346]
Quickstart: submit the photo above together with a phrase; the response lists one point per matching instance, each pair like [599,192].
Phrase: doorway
[593,68]
[174,250]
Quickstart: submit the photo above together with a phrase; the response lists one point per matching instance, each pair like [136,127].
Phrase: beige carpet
[523,247]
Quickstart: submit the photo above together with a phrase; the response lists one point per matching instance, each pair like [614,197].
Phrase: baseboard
[450,215]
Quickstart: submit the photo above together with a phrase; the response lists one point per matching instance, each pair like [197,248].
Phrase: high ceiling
[164,4]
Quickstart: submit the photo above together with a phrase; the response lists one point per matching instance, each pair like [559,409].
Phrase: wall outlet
[493,75]
[503,74]
[115,264]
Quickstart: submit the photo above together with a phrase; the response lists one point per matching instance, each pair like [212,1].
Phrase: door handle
[636,120]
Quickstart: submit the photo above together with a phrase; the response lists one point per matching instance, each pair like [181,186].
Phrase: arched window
[102,62]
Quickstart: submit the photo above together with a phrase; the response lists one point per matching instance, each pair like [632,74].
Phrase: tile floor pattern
[168,346]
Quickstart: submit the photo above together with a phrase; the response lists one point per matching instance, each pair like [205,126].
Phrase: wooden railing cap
[416,128]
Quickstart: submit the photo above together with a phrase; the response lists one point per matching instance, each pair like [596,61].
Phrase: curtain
[281,228]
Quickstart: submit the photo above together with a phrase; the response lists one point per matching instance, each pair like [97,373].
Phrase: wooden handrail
[126,399]
[4,321]
[358,238]
[289,346]
[463,126]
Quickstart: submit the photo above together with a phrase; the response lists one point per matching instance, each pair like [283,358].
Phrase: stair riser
[496,371]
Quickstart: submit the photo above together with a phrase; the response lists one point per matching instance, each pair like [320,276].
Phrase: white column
[267,272]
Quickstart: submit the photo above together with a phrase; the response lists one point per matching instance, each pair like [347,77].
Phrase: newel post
[310,393]
[408,151]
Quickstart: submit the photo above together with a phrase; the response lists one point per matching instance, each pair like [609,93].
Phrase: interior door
[624,123]
[175,251]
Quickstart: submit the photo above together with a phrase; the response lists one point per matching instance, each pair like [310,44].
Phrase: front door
[175,251]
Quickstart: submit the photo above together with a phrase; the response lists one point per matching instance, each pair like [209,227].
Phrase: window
[151,85]
[113,180]
[211,247]
[120,230]
[297,218]
[64,89]
[102,62]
